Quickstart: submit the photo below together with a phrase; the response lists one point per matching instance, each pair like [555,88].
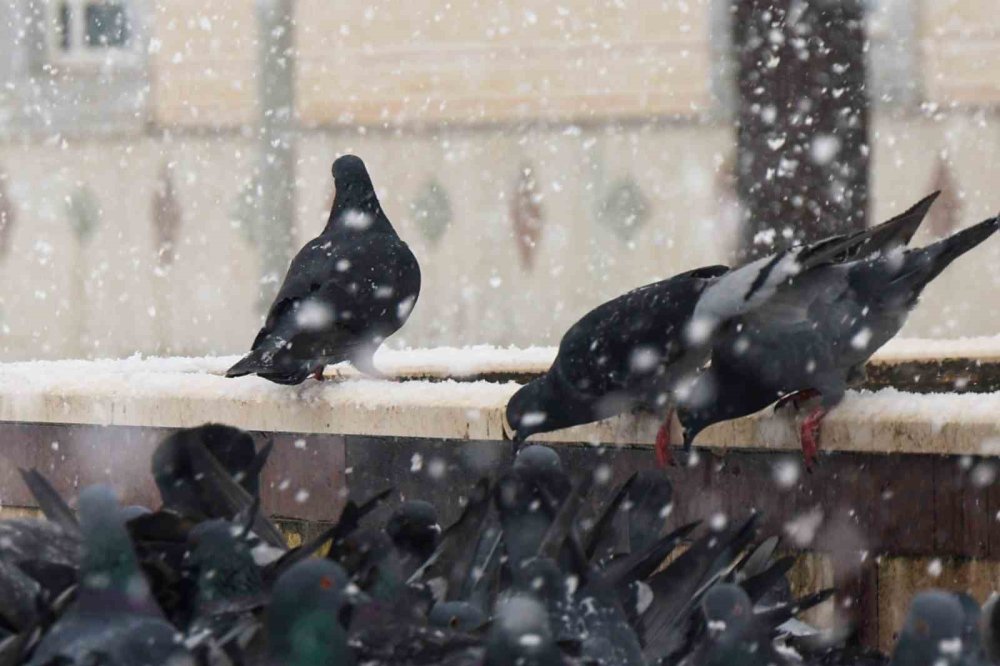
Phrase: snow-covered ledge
[440,394]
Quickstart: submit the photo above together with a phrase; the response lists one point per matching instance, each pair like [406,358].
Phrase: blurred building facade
[538,157]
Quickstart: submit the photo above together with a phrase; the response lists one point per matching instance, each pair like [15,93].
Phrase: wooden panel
[899,579]
[74,456]
[964,520]
[305,476]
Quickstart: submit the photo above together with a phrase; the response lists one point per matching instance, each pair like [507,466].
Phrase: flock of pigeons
[539,569]
[710,345]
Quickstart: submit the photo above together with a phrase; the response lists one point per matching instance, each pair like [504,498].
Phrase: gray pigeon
[932,633]
[114,620]
[813,333]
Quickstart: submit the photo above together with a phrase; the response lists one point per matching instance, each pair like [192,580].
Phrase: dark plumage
[570,579]
[815,331]
[345,292]
[414,530]
[629,352]
[179,478]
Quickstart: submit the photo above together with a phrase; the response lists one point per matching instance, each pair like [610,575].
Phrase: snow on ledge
[182,392]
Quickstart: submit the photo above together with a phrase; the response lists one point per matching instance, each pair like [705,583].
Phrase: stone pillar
[277,155]
[802,120]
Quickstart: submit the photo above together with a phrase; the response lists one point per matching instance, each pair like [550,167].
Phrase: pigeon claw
[809,436]
[317,374]
[664,456]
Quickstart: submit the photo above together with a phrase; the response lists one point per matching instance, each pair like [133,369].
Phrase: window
[90,31]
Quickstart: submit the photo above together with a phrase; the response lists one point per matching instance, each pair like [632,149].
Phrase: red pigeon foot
[663,455]
[809,436]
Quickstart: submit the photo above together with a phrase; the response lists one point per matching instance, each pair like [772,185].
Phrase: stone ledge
[186,392]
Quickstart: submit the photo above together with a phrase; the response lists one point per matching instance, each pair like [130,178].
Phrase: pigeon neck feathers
[356,209]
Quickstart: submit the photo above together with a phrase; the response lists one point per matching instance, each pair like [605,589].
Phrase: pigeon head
[306,620]
[932,633]
[355,206]
[539,459]
[414,526]
[727,608]
[223,565]
[457,616]
[539,406]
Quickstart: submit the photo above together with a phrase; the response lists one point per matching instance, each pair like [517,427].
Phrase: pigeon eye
[325,582]
[453,623]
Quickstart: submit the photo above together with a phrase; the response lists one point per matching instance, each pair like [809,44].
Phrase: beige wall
[960,46]
[475,288]
[469,61]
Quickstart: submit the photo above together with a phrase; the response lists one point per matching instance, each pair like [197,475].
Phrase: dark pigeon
[528,496]
[229,588]
[734,636]
[180,480]
[114,619]
[627,353]
[211,471]
[414,530]
[345,292]
[813,334]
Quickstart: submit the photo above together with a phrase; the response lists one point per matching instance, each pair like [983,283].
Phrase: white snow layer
[179,392]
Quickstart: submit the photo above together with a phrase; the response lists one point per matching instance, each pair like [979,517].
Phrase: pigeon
[814,334]
[345,292]
[528,496]
[629,352]
[414,530]
[932,632]
[228,593]
[521,634]
[181,481]
[989,628]
[114,619]
[735,636]
[307,616]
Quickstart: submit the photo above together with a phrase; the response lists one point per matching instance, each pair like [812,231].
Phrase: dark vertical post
[802,137]
[276,168]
